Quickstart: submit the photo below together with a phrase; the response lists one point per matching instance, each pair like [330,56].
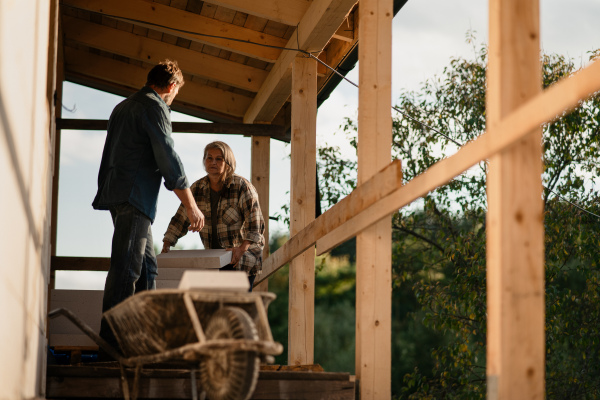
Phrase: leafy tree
[334,311]
[439,241]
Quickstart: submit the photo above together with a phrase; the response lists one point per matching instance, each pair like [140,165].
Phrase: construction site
[261,69]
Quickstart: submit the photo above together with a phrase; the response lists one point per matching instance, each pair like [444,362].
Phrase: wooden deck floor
[102,381]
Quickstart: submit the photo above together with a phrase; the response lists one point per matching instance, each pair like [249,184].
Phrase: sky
[422,45]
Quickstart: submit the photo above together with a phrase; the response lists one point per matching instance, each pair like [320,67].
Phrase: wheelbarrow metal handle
[87,330]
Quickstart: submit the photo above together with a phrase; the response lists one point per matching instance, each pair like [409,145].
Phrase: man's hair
[165,73]
[228,157]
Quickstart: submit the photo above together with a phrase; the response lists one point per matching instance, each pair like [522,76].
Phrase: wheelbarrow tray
[168,324]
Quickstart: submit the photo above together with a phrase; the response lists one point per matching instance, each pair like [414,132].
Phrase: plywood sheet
[215,280]
[86,304]
[194,259]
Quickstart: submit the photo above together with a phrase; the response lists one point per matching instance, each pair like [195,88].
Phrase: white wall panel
[24,201]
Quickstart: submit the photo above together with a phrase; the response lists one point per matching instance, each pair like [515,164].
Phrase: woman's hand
[238,252]
[166,247]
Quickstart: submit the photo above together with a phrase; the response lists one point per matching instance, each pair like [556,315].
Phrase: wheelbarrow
[223,334]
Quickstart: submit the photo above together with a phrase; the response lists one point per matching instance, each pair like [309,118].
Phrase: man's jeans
[132,263]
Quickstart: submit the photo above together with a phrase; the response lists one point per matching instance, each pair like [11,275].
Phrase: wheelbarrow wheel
[230,375]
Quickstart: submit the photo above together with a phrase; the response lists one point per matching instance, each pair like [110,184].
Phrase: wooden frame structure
[105,44]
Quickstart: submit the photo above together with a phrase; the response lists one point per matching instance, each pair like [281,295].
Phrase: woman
[233,220]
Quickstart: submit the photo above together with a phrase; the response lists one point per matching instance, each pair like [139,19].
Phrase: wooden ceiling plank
[110,22]
[208,10]
[97,18]
[321,21]
[185,43]
[170,39]
[211,51]
[139,30]
[199,46]
[276,29]
[344,33]
[154,35]
[240,19]
[154,13]
[180,4]
[140,48]
[224,14]
[255,23]
[287,12]
[87,64]
[336,50]
[125,26]
[194,6]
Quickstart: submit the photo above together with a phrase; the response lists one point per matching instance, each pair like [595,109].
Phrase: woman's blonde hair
[228,157]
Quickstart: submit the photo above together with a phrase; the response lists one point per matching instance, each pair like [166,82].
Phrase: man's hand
[194,214]
[166,247]
[238,252]
[195,217]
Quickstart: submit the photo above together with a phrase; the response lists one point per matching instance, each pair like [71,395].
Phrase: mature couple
[138,154]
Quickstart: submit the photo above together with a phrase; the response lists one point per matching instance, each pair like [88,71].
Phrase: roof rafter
[83,63]
[143,49]
[318,25]
[287,12]
[155,13]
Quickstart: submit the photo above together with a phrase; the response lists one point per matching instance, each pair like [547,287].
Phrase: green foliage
[439,241]
[334,312]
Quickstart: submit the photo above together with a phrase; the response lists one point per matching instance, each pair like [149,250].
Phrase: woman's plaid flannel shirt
[239,218]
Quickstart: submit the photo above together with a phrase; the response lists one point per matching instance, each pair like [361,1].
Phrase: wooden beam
[260,171]
[143,49]
[56,76]
[103,381]
[539,111]
[79,263]
[346,31]
[367,194]
[545,107]
[317,27]
[301,323]
[52,97]
[374,244]
[515,217]
[287,12]
[382,195]
[261,130]
[158,17]
[125,91]
[134,77]
[52,67]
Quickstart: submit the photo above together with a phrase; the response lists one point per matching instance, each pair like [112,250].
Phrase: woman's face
[214,162]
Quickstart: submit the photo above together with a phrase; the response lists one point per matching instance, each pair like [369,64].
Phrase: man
[138,153]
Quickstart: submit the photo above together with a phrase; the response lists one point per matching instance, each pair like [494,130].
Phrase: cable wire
[571,203]
[393,107]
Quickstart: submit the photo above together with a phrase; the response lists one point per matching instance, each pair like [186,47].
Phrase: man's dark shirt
[138,152]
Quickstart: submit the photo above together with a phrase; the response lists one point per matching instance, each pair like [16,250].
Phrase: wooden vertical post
[302,210]
[515,231]
[56,106]
[261,162]
[373,245]
[51,90]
